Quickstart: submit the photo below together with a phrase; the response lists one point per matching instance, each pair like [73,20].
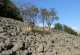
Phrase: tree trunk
[43,24]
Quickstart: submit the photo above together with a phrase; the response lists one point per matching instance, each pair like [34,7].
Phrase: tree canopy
[65,28]
[33,14]
[58,26]
[8,9]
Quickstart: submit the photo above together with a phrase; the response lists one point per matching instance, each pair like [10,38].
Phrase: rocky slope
[14,41]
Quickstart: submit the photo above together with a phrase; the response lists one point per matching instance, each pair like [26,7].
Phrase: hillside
[15,41]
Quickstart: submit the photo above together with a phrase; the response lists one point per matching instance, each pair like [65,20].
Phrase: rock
[15,41]
[1,29]
[7,52]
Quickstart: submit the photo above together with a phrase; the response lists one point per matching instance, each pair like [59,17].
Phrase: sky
[67,10]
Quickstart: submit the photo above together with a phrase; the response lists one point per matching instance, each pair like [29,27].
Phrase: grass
[40,31]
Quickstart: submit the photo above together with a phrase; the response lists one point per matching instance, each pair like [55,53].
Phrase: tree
[58,27]
[10,10]
[29,14]
[69,30]
[34,13]
[65,28]
[44,15]
[49,16]
[52,16]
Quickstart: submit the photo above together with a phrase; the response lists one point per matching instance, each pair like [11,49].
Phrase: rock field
[14,41]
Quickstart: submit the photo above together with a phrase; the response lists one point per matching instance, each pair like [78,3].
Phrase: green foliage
[69,30]
[65,28]
[9,10]
[58,27]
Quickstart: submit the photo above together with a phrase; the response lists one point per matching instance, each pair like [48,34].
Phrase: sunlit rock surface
[15,41]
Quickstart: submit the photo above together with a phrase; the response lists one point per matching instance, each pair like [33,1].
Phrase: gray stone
[29,43]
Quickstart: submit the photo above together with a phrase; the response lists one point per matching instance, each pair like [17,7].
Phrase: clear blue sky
[68,10]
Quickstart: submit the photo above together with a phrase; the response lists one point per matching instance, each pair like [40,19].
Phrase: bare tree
[49,16]
[52,16]
[29,14]
[44,14]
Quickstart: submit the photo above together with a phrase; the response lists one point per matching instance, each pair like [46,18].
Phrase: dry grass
[40,31]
